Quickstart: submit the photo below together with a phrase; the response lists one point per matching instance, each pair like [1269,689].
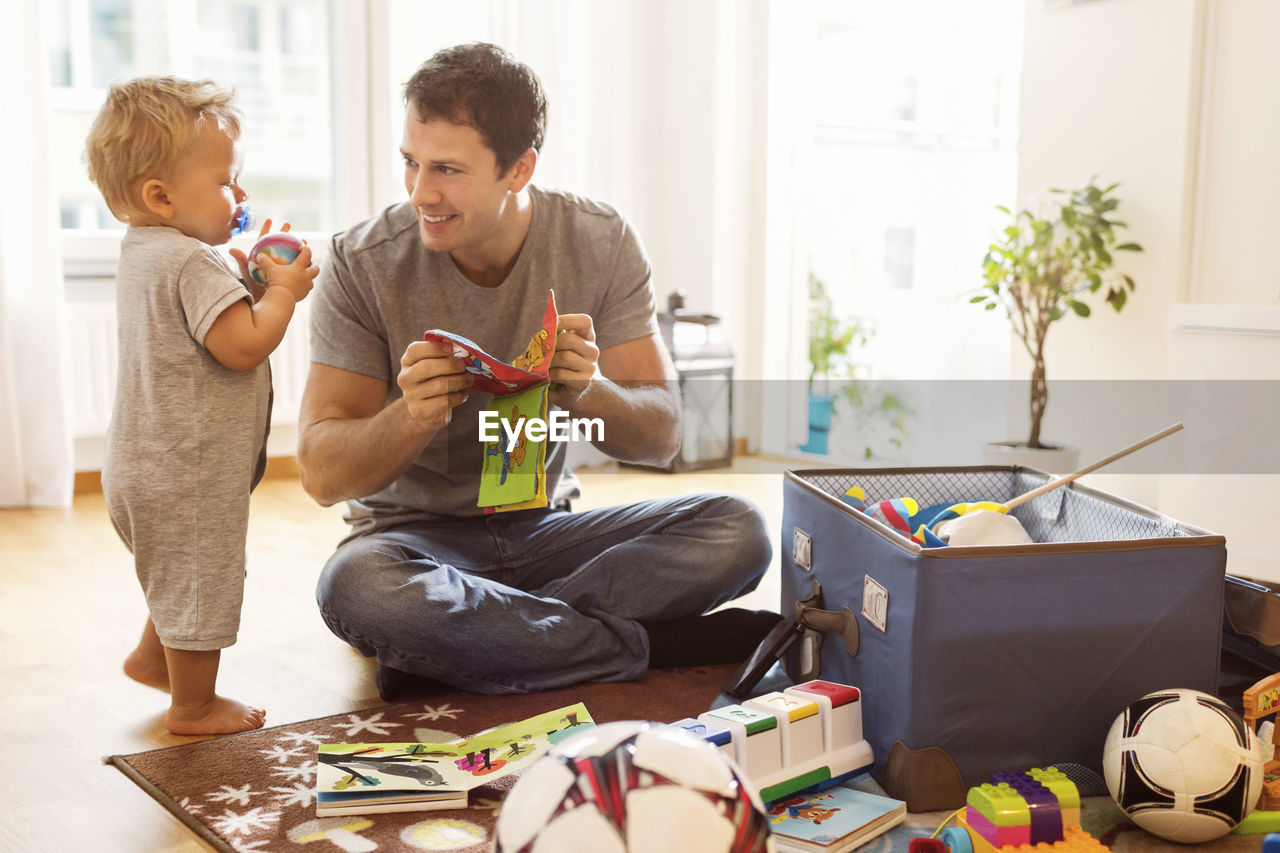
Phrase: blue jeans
[539,599]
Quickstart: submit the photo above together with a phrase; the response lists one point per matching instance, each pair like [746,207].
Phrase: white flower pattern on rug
[304,738]
[304,772]
[433,714]
[234,796]
[282,755]
[301,794]
[245,823]
[373,725]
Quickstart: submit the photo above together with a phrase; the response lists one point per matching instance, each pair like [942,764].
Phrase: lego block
[1064,789]
[1000,804]
[841,707]
[999,836]
[710,732]
[757,743]
[1046,814]
[799,724]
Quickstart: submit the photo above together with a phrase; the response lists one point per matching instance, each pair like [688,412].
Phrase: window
[275,52]
[901,130]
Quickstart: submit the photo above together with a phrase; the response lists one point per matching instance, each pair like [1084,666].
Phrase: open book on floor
[832,821]
[364,778]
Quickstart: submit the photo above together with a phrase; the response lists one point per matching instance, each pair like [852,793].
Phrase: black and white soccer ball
[633,787]
[1183,765]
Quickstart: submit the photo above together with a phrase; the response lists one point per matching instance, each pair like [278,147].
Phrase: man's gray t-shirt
[381,289]
[187,439]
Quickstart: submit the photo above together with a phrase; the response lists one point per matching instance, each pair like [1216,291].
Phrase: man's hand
[574,363]
[433,382]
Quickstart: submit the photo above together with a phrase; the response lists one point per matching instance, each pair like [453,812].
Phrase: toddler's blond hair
[143,129]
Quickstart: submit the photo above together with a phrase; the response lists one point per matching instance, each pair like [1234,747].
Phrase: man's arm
[631,387]
[351,445]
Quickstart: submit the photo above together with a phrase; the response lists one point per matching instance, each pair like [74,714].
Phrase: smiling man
[533,599]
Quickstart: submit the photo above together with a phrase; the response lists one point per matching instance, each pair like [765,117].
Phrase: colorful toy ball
[632,787]
[1183,765]
[281,246]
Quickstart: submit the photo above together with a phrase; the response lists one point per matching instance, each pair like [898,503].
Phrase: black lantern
[704,363]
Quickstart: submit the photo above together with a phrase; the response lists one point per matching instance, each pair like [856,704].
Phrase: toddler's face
[204,191]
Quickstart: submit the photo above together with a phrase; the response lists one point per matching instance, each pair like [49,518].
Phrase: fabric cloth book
[833,820]
[364,778]
[513,474]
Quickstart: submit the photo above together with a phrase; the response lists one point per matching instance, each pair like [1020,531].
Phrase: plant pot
[821,410]
[1061,459]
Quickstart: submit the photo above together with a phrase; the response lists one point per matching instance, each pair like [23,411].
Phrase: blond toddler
[187,441]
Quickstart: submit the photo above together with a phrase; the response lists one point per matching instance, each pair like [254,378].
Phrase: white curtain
[36,455]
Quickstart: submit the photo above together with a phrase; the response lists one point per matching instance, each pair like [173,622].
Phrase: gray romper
[187,441]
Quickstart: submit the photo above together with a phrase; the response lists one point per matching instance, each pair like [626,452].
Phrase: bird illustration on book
[415,766]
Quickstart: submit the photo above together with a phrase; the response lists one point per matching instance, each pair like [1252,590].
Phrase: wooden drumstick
[1063,480]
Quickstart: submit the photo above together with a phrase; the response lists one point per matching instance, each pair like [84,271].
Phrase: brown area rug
[254,791]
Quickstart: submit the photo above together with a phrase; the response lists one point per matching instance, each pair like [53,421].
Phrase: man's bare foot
[220,716]
[146,663]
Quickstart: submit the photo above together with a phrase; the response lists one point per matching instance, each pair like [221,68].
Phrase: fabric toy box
[973,660]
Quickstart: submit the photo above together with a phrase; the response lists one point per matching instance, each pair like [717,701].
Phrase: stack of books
[363,778]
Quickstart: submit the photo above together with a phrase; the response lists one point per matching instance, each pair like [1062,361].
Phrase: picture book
[513,469]
[364,778]
[833,820]
[515,464]
[494,376]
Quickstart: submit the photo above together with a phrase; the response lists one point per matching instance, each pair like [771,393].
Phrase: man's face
[205,192]
[453,183]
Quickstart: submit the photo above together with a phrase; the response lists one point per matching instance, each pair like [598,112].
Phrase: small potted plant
[1044,269]
[830,338]
[869,408]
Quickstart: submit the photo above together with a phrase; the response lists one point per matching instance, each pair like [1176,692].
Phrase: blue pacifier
[242,222]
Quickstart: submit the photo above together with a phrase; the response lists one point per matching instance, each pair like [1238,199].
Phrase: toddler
[187,441]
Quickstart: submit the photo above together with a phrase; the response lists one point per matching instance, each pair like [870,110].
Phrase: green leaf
[990,306]
[981,297]
[1127,247]
[1117,298]
[1080,308]
[1058,313]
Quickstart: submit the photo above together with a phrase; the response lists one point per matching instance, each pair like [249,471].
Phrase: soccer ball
[1183,765]
[632,787]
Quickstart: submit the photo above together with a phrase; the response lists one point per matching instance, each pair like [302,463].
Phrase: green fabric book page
[513,471]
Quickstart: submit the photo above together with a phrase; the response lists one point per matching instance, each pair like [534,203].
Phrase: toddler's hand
[243,260]
[296,277]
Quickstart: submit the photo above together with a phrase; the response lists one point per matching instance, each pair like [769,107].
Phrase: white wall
[1177,100]
[1107,90]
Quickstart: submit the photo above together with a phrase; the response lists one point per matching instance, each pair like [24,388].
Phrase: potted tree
[1043,269]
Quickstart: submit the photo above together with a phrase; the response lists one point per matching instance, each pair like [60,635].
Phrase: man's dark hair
[485,87]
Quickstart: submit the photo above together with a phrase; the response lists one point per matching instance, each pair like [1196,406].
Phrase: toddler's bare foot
[147,669]
[146,663]
[220,716]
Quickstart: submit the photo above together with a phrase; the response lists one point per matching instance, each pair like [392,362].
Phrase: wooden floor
[72,610]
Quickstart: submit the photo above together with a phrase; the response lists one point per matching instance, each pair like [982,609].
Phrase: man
[532,599]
